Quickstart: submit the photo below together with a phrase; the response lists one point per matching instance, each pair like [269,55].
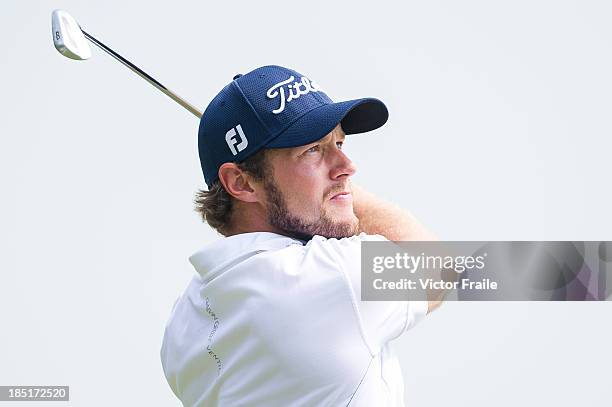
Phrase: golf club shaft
[144,75]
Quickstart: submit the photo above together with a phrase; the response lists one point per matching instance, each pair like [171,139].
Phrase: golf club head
[68,37]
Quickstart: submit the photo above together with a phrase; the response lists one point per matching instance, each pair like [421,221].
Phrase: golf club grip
[144,75]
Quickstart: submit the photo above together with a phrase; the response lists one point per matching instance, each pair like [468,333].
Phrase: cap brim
[355,116]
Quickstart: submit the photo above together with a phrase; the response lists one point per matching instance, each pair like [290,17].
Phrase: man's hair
[215,205]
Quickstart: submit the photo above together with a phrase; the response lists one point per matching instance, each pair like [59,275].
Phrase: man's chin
[340,235]
[339,230]
[325,228]
[331,223]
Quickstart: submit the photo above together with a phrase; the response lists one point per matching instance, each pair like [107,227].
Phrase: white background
[499,130]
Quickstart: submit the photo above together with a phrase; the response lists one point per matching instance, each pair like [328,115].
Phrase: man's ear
[238,183]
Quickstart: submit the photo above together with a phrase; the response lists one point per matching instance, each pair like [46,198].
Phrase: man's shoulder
[325,252]
[269,252]
[323,247]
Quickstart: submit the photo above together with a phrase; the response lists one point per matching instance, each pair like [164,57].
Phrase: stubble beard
[293,226]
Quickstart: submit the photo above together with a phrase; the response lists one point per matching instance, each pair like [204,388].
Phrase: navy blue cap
[274,107]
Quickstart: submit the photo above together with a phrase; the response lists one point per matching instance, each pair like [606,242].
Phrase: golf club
[71,41]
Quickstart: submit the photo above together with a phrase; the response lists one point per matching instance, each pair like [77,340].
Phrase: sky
[499,130]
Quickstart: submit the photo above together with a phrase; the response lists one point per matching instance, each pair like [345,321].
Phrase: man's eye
[340,144]
[313,149]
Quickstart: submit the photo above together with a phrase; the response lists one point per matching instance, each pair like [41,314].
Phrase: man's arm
[377,217]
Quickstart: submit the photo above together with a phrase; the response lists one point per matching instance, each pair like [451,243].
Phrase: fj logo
[236,140]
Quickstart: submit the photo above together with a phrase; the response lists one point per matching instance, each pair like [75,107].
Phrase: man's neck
[250,219]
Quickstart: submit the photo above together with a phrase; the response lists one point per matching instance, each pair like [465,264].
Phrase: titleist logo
[295,90]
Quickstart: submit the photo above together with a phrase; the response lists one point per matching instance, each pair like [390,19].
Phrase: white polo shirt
[271,321]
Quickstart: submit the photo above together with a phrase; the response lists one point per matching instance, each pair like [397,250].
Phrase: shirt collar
[225,252]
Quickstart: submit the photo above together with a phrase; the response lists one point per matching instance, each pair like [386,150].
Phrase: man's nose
[342,166]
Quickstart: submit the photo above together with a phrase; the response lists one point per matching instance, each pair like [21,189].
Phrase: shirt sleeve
[382,321]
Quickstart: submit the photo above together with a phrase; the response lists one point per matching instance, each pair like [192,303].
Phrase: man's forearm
[377,217]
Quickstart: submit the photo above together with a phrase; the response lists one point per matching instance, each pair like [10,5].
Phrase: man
[273,316]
